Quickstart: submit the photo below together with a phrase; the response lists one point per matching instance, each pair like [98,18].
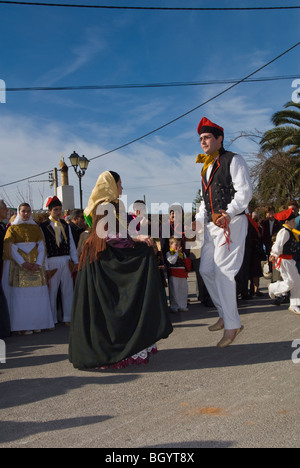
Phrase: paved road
[190,395]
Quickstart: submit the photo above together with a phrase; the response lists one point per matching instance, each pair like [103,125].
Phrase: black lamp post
[80,165]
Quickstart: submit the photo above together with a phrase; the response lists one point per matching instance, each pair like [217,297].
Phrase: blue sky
[43,46]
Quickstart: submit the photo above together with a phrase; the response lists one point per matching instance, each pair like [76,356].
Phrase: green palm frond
[286,134]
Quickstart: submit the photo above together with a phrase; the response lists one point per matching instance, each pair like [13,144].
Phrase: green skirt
[119,308]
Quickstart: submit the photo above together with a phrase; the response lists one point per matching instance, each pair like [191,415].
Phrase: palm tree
[278,170]
[276,178]
[286,134]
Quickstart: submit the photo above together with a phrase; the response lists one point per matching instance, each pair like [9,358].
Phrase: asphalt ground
[190,395]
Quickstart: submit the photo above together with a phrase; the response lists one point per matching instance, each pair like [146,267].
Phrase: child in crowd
[285,246]
[179,265]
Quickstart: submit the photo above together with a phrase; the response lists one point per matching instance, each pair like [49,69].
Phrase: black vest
[291,247]
[52,249]
[218,191]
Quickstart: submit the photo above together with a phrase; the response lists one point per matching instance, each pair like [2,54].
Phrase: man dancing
[226,193]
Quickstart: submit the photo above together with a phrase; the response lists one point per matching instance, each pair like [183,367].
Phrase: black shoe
[280,300]
[246,297]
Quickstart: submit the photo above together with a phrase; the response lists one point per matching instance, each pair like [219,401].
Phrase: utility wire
[110,7]
[200,105]
[177,118]
[149,85]
[26,178]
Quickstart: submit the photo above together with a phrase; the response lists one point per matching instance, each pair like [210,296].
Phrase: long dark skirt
[4,316]
[119,308]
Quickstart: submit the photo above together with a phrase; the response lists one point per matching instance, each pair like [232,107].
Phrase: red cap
[206,126]
[284,215]
[51,200]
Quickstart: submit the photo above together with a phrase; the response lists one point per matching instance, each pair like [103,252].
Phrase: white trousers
[62,278]
[219,266]
[290,282]
[178,289]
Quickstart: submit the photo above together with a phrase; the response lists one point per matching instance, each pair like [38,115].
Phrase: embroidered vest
[52,249]
[218,191]
[291,246]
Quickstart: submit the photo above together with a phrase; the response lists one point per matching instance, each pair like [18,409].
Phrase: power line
[110,7]
[200,105]
[150,85]
[175,119]
[26,178]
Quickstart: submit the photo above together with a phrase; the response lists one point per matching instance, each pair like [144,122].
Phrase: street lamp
[80,165]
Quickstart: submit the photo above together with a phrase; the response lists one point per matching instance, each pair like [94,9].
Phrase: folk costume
[26,291]
[225,186]
[297,257]
[284,248]
[119,310]
[179,266]
[61,254]
[176,229]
